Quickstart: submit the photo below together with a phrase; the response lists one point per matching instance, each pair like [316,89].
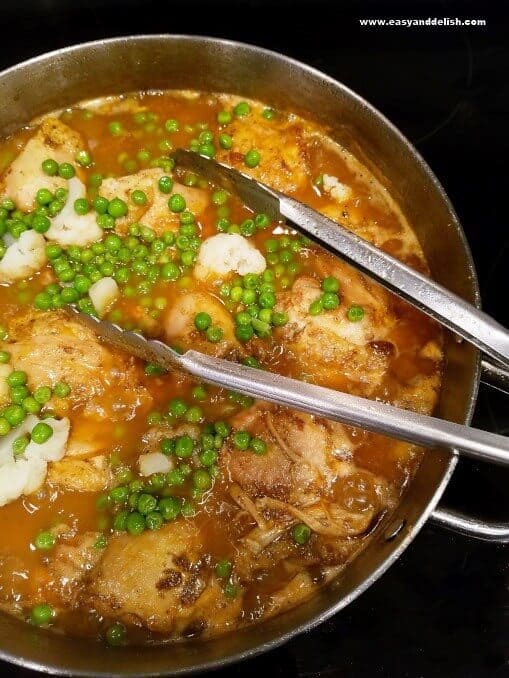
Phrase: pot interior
[174,62]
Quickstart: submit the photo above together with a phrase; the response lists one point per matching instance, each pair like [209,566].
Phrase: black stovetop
[441,611]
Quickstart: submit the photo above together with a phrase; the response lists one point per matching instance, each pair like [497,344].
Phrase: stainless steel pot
[95,69]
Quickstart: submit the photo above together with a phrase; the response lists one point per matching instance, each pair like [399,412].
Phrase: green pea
[101,204]
[41,614]
[154,520]
[146,503]
[116,634]
[5,357]
[316,307]
[177,407]
[18,394]
[251,361]
[117,208]
[31,406]
[301,534]
[330,301]
[330,284]
[225,141]
[5,426]
[83,158]
[222,428]
[268,113]
[139,197]
[224,117]
[50,167]
[202,480]
[230,590]
[214,334]
[19,445]
[43,196]
[53,251]
[194,415]
[279,318]
[167,446]
[248,228]
[61,389]
[258,446]
[95,180]
[170,507]
[355,314]
[45,541]
[17,378]
[267,300]
[140,117]
[115,128]
[135,523]
[81,206]
[120,521]
[271,245]
[242,109]
[177,203]
[208,457]
[223,569]
[241,440]
[66,171]
[119,494]
[184,447]
[252,158]
[202,321]
[219,197]
[41,432]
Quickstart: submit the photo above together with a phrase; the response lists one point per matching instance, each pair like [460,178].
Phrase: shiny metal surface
[61,78]
[348,409]
[435,300]
[471,527]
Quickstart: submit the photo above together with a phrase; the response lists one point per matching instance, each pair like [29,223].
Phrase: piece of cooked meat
[24,177]
[80,475]
[158,580]
[282,147]
[305,454]
[50,347]
[70,561]
[156,213]
[328,348]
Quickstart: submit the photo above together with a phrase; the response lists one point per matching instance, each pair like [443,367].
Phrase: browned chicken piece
[24,177]
[282,147]
[81,475]
[50,347]
[307,473]
[160,580]
[330,349]
[70,561]
[156,214]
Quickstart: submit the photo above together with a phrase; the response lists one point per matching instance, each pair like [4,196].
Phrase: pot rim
[454,457]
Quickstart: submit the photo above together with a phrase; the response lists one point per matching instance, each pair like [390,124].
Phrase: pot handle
[476,528]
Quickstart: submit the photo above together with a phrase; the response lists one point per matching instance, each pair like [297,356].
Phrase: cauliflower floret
[154,462]
[226,252]
[69,228]
[103,294]
[24,474]
[24,257]
[340,192]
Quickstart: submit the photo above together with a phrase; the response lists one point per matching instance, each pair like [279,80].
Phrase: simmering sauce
[142,506]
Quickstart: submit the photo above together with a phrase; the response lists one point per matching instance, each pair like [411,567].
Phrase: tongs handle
[436,301]
[348,409]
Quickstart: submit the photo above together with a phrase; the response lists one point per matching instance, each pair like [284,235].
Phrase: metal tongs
[449,309]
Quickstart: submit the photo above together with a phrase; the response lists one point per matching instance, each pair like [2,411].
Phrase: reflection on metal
[471,527]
